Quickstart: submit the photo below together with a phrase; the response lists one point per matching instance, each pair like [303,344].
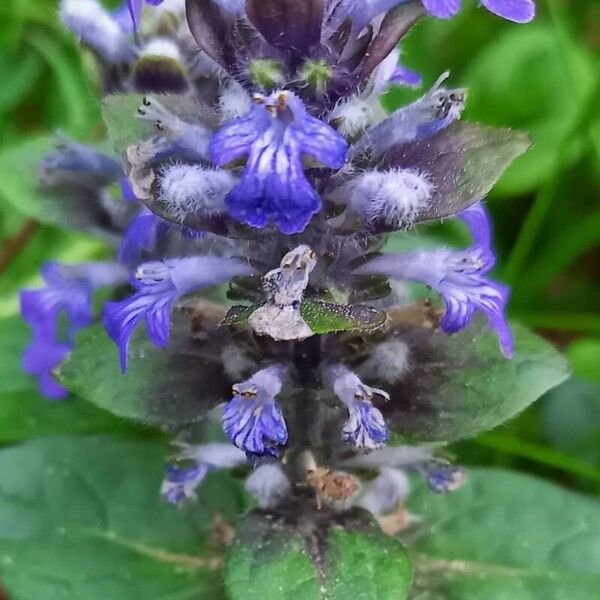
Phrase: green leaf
[120,113]
[315,555]
[464,162]
[173,386]
[505,535]
[25,413]
[460,385]
[322,317]
[82,518]
[14,337]
[73,208]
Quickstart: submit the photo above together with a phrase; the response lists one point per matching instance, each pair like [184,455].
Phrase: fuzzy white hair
[236,363]
[234,101]
[189,189]
[269,485]
[356,114]
[389,362]
[397,196]
[389,488]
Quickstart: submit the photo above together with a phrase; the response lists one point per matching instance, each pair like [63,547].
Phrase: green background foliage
[543,78]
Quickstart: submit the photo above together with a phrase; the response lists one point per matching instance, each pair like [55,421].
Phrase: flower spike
[253,420]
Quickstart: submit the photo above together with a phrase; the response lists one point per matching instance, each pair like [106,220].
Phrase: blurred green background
[543,78]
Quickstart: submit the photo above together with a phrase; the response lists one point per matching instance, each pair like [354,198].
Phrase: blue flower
[274,136]
[253,420]
[365,427]
[69,290]
[39,359]
[142,233]
[363,12]
[158,285]
[181,482]
[519,11]
[442,476]
[78,164]
[459,276]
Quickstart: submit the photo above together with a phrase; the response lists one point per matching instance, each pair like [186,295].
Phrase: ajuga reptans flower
[253,158]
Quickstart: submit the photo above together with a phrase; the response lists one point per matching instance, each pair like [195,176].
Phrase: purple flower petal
[459,276]
[477,219]
[519,11]
[40,358]
[404,76]
[180,483]
[444,9]
[443,477]
[127,191]
[142,233]
[365,427]
[158,285]
[253,420]
[275,135]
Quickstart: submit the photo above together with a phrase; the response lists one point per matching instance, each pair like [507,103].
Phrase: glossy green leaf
[82,518]
[323,317]
[505,535]
[460,385]
[315,555]
[27,414]
[173,386]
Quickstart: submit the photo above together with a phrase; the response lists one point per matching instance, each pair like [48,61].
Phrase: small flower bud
[316,74]
[265,73]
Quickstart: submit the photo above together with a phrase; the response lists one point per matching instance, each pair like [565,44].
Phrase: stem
[545,196]
[539,454]
[16,243]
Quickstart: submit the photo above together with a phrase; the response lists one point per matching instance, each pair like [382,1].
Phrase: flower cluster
[258,156]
